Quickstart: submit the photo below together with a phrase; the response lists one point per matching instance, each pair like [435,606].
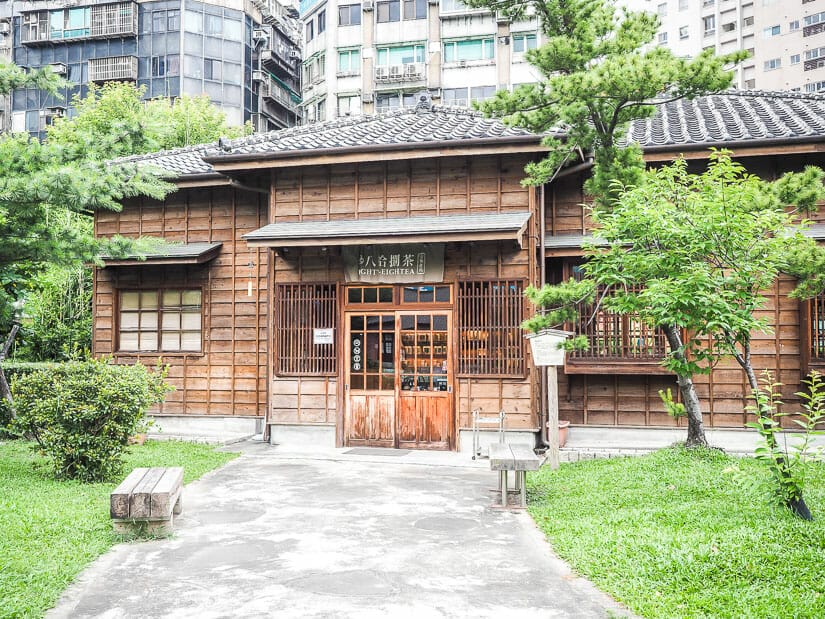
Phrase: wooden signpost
[545,346]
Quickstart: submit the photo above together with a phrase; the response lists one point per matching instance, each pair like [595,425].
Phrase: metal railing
[113,68]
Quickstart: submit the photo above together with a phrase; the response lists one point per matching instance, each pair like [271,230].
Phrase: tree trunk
[5,392]
[696,429]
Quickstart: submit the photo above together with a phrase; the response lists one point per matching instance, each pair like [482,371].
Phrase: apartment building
[5,56]
[245,57]
[786,40]
[367,56]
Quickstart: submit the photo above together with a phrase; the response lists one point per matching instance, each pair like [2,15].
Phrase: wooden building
[617,381]
[359,282]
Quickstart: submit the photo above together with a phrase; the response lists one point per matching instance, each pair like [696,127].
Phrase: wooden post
[5,392]
[553,416]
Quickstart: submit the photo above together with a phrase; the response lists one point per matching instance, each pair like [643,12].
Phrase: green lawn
[675,534]
[50,530]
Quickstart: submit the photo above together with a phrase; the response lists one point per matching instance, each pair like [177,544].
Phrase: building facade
[6,40]
[372,56]
[243,57]
[363,283]
[786,40]
[360,281]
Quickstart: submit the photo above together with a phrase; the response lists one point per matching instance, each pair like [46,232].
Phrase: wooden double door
[398,382]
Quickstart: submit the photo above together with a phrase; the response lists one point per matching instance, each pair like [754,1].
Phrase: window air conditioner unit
[396,71]
[382,73]
[367,5]
[58,68]
[259,34]
[5,27]
[294,54]
[258,76]
[367,97]
[413,70]
[53,111]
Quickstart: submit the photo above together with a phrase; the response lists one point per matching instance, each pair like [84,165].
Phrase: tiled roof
[392,230]
[729,118]
[179,162]
[413,126]
[733,117]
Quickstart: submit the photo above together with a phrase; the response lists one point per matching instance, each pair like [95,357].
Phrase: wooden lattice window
[307,314]
[816,326]
[617,337]
[160,320]
[491,342]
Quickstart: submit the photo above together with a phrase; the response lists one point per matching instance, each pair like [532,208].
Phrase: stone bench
[519,458]
[148,495]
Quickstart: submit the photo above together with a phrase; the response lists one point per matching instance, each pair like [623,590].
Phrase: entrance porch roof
[430,229]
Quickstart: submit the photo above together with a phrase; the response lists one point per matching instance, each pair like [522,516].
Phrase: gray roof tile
[406,126]
[714,120]
[186,161]
[732,117]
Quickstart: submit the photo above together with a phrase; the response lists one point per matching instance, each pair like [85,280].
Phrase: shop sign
[323,336]
[395,264]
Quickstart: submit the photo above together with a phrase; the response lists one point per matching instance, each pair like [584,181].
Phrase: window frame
[353,55]
[349,99]
[488,45]
[524,38]
[159,350]
[387,50]
[476,332]
[418,8]
[387,11]
[290,336]
[353,12]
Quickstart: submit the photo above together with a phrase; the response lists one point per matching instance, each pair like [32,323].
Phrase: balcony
[401,73]
[284,18]
[288,62]
[276,91]
[617,344]
[98,21]
[113,68]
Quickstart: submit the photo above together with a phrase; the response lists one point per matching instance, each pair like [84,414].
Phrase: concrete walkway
[336,534]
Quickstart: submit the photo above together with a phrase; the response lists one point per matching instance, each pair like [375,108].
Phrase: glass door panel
[423,356]
[372,352]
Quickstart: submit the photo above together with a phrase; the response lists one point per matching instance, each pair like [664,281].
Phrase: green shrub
[16,369]
[81,414]
[5,419]
[13,370]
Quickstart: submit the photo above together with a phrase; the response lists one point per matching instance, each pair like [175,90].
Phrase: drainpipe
[581,167]
[543,413]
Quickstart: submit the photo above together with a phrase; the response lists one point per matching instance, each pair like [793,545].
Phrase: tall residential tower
[375,55]
[244,56]
[786,40]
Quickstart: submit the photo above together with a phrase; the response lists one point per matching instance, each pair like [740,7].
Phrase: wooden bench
[519,458]
[147,495]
